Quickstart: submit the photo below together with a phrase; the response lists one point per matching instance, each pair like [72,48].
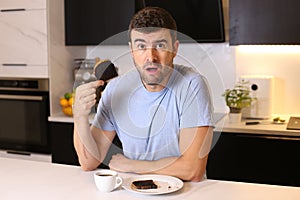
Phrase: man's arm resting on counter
[91,145]
[195,145]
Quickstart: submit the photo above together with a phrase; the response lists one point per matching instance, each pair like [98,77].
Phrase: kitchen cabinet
[262,22]
[24,39]
[62,146]
[92,22]
[255,158]
[32,45]
[23,30]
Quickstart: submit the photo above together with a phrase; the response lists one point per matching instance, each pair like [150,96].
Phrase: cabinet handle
[19,153]
[14,64]
[13,10]
[21,97]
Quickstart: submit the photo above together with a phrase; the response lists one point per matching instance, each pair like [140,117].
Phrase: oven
[24,111]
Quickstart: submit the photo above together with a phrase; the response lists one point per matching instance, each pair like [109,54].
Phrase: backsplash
[283,62]
[214,61]
[223,65]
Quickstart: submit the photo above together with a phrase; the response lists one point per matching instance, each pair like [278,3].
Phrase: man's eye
[141,46]
[160,46]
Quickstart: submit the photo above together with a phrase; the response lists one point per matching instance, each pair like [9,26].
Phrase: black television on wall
[91,22]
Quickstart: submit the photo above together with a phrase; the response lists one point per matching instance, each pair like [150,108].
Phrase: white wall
[214,61]
[283,62]
[223,64]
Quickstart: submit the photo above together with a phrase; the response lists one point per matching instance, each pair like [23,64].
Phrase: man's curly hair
[151,19]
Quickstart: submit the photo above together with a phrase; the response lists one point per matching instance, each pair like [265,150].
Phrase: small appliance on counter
[262,89]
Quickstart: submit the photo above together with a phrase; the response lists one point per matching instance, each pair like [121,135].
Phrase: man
[161,112]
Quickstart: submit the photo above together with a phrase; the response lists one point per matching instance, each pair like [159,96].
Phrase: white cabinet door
[25,4]
[23,37]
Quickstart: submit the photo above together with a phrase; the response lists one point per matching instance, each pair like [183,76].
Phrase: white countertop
[60,117]
[21,179]
[265,127]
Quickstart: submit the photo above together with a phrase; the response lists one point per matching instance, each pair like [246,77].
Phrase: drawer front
[24,71]
[25,4]
[23,38]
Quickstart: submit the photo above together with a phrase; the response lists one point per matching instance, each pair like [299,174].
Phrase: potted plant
[238,98]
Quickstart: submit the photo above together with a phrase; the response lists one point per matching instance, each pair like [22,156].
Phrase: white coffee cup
[107,180]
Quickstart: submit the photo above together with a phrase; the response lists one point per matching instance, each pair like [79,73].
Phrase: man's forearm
[174,166]
[185,169]
[158,166]
[121,163]
[85,145]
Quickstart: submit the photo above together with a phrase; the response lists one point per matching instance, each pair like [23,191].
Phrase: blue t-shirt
[148,123]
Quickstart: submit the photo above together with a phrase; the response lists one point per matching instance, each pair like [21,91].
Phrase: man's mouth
[152,68]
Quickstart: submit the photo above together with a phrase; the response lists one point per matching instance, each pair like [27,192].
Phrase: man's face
[153,55]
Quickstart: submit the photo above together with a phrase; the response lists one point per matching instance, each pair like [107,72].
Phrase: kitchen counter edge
[60,117]
[264,128]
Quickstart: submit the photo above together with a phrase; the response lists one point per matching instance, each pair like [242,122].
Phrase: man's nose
[151,54]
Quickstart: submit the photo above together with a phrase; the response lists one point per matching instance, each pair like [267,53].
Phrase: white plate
[166,184]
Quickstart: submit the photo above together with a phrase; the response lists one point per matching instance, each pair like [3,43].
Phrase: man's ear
[130,46]
[175,47]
